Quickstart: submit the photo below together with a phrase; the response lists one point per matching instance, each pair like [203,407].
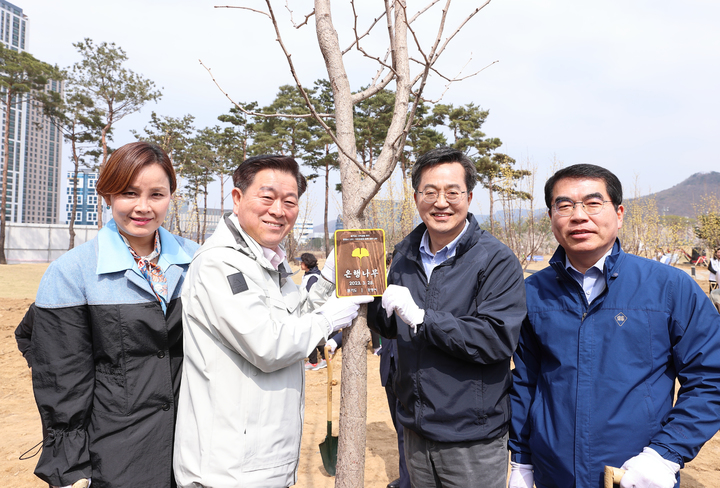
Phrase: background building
[35,146]
[303,230]
[87,198]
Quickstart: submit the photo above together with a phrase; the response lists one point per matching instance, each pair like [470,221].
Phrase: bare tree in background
[361,182]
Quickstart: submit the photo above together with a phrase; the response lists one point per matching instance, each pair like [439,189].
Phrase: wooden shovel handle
[329,383]
[613,476]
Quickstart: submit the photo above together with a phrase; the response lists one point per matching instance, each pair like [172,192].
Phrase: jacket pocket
[110,391]
[274,418]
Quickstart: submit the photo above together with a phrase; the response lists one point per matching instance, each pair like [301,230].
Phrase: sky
[631,85]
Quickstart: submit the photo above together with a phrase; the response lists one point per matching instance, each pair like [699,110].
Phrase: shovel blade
[328,451]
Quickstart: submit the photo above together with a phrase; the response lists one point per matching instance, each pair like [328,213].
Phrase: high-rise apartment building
[87,198]
[35,149]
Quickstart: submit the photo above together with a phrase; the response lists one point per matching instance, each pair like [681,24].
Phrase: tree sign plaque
[360,262]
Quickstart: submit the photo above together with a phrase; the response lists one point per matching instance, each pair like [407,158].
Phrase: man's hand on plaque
[340,312]
[397,299]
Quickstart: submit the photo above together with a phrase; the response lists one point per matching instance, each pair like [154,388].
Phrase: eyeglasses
[451,196]
[591,206]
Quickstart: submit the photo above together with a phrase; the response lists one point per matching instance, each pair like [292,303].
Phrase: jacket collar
[410,246]
[114,255]
[229,229]
[612,262]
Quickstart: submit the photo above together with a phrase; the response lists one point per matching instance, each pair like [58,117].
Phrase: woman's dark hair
[124,163]
[245,173]
[586,171]
[309,260]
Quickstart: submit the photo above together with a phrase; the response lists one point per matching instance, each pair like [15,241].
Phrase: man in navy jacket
[606,336]
[455,304]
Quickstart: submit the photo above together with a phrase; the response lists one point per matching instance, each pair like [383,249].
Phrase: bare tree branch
[380,70]
[243,8]
[462,24]
[379,61]
[373,89]
[450,82]
[422,11]
[307,17]
[260,114]
[391,33]
[456,77]
[305,96]
[357,38]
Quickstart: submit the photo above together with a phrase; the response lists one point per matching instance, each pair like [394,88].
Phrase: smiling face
[140,209]
[585,238]
[444,221]
[268,208]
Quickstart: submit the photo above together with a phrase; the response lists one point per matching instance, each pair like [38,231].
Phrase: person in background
[714,269]
[455,302]
[308,263]
[107,336]
[247,328]
[606,337]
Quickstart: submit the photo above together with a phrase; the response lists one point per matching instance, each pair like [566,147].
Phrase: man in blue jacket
[455,304]
[606,336]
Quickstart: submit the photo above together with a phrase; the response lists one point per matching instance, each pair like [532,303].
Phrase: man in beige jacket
[247,329]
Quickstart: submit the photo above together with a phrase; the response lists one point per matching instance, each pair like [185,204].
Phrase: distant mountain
[682,198]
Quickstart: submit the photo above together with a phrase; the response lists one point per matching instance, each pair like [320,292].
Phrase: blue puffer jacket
[593,385]
[453,376]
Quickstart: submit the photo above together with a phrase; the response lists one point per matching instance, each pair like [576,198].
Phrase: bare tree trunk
[327,196]
[492,207]
[353,391]
[177,216]
[103,138]
[197,219]
[355,197]
[204,228]
[71,227]
[3,200]
[222,194]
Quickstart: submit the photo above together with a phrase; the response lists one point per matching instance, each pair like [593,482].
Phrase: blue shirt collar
[114,255]
[599,265]
[448,250]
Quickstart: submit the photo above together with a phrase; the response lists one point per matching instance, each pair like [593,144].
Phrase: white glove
[521,475]
[399,300]
[340,312]
[332,345]
[328,271]
[649,470]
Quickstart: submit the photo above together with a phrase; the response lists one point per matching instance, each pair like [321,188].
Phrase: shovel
[612,476]
[329,447]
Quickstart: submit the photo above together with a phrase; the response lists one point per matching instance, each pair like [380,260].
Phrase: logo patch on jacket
[237,283]
[620,319]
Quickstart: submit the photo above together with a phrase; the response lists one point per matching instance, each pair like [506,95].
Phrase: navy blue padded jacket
[453,375]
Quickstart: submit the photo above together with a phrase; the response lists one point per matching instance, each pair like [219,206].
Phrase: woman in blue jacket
[107,338]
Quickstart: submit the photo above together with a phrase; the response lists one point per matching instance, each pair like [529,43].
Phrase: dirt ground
[21,423]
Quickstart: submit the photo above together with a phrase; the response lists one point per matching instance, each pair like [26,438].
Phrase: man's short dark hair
[245,173]
[591,171]
[308,260]
[442,155]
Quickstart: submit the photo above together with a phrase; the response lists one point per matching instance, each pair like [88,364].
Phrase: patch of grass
[21,280]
